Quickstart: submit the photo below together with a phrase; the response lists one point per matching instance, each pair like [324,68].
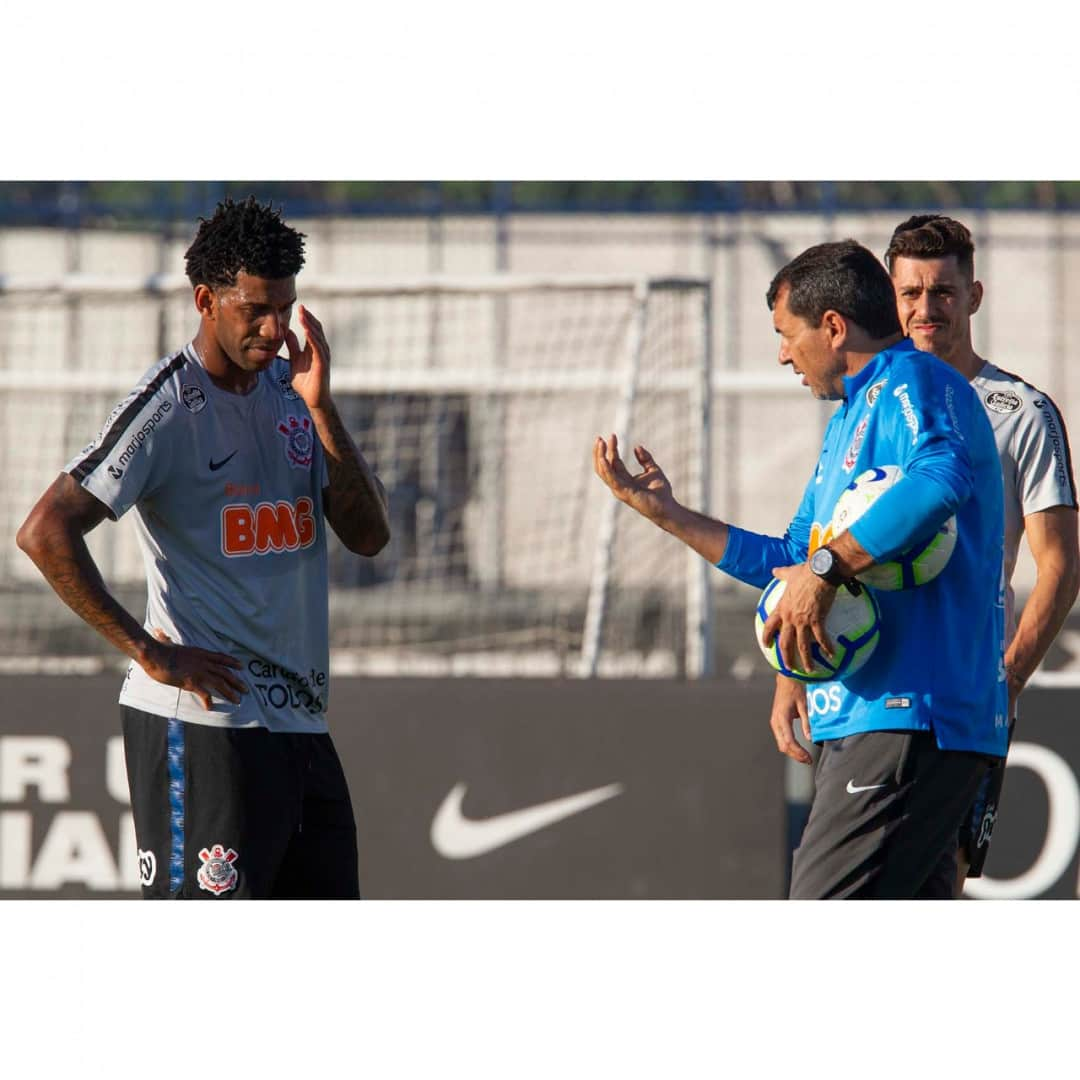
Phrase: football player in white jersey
[233,458]
[931,260]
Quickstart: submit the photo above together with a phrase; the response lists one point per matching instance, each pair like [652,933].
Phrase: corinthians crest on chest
[299,440]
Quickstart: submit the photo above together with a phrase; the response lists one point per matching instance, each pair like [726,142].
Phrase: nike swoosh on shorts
[852,789]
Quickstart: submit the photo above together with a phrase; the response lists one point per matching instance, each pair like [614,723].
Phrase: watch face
[822,561]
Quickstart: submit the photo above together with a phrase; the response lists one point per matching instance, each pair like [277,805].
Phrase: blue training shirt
[938,665]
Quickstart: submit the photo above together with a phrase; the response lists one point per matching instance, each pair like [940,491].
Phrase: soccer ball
[853,625]
[920,563]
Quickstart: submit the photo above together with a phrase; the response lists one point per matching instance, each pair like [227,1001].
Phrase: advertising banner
[462,788]
[539,789]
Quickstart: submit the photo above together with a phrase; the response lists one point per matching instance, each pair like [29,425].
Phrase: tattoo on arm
[54,538]
[78,582]
[356,504]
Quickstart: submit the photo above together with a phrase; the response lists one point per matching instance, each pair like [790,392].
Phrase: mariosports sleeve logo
[267,527]
[116,470]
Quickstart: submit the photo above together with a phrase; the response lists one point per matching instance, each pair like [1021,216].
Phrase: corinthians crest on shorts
[299,441]
[217,873]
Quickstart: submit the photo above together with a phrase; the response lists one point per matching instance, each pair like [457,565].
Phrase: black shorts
[238,813]
[978,824]
[883,823]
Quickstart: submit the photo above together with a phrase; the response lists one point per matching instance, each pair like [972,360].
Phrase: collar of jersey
[225,395]
[854,383]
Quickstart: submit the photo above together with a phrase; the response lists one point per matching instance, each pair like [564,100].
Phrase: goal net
[477,402]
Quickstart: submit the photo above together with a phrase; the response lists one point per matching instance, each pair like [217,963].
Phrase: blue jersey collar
[854,383]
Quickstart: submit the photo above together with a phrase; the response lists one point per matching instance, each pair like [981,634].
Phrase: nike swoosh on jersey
[215,465]
[455,836]
[852,789]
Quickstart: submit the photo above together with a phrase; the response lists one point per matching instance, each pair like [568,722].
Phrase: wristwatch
[823,563]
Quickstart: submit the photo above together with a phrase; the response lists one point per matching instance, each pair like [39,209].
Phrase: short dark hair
[932,236]
[842,276]
[243,236]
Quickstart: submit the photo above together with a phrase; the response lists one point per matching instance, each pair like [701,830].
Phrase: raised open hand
[648,492]
[310,365]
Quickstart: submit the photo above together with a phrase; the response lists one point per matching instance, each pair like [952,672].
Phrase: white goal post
[477,400]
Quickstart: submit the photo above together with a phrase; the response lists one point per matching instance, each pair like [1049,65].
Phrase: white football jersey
[227,491]
[1036,466]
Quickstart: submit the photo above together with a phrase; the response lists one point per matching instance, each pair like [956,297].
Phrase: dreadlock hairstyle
[932,236]
[244,236]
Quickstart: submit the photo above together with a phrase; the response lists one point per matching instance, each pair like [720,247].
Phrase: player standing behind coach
[233,459]
[932,262]
[912,732]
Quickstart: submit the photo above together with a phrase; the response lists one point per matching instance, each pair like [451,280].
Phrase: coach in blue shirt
[904,740]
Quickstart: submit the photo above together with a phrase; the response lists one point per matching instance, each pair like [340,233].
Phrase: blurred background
[519,635]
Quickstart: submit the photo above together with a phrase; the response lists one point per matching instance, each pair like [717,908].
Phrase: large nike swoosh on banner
[455,836]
